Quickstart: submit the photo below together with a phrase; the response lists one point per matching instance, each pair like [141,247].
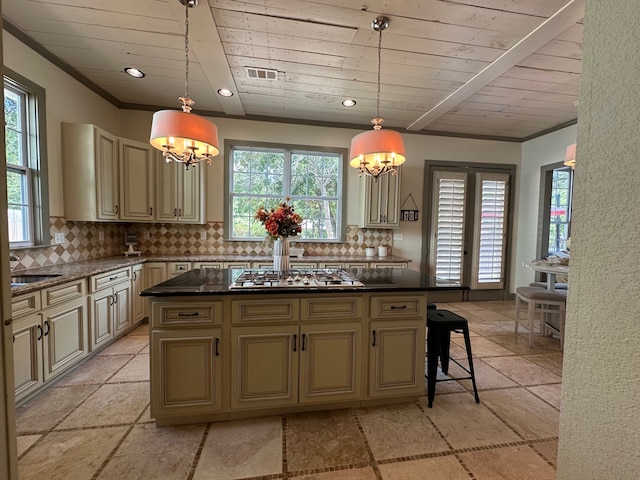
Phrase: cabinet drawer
[25,304]
[62,293]
[108,279]
[186,314]
[401,306]
[266,310]
[333,308]
[178,268]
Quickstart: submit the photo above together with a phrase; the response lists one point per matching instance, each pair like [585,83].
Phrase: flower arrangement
[280,222]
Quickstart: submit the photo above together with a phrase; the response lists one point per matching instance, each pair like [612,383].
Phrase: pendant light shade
[377,152]
[183,136]
[570,156]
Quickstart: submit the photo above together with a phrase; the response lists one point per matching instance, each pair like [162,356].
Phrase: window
[560,209]
[264,175]
[27,191]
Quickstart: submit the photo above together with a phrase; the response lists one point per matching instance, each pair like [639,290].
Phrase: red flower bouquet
[280,222]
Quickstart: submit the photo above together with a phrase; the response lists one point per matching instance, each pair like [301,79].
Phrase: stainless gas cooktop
[299,278]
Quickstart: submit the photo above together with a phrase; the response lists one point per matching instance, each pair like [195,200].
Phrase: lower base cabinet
[187,372]
[110,313]
[396,358]
[27,355]
[275,366]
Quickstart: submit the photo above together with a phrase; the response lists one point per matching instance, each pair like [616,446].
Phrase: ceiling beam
[560,21]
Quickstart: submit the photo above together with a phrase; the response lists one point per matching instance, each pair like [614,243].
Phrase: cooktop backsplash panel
[91,240]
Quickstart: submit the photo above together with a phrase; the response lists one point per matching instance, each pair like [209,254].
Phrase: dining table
[552,270]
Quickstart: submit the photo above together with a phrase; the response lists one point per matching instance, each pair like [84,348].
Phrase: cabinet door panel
[136,180]
[264,366]
[101,312]
[65,340]
[189,204]
[27,355]
[107,175]
[397,358]
[122,308]
[186,372]
[330,362]
[167,192]
[139,304]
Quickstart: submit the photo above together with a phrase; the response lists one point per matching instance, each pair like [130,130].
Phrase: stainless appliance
[329,278]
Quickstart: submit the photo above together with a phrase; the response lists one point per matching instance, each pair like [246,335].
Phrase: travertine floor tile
[550,361]
[48,408]
[549,393]
[145,350]
[130,344]
[137,370]
[520,343]
[486,377]
[465,423]
[25,441]
[490,328]
[529,416]
[509,463]
[438,468]
[95,371]
[491,315]
[549,450]
[75,455]
[324,439]
[365,473]
[142,329]
[152,452]
[111,404]
[522,371]
[146,416]
[399,431]
[240,449]
[481,347]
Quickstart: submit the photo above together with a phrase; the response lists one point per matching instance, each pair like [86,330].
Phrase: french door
[468,224]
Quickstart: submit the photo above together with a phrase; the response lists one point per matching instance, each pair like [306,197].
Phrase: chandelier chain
[186,50]
[379,63]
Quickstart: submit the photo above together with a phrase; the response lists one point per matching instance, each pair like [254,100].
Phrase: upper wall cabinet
[179,193]
[379,200]
[106,178]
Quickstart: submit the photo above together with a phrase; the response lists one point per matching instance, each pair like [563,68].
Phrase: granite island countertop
[217,282]
[85,268]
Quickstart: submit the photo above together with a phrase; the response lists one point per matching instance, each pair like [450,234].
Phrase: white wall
[67,101]
[600,419]
[536,153]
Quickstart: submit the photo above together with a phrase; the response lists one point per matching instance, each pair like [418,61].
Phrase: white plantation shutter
[489,231]
[449,198]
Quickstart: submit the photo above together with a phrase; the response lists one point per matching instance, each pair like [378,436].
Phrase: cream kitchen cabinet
[177,268]
[180,193]
[379,201]
[186,359]
[110,301]
[396,352]
[138,303]
[106,178]
[155,273]
[50,334]
[207,265]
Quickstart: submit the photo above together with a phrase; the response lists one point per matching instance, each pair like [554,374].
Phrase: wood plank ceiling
[476,68]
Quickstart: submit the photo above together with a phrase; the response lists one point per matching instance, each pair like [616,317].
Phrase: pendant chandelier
[570,156]
[183,136]
[377,152]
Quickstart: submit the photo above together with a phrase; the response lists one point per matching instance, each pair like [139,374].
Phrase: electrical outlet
[101,236]
[360,237]
[398,236]
[147,235]
[203,235]
[58,238]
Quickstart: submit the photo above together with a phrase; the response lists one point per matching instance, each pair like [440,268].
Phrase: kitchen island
[222,351]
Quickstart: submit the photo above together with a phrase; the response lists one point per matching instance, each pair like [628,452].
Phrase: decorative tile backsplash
[90,240]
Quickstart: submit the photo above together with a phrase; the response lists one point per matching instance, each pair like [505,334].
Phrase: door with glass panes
[467,225]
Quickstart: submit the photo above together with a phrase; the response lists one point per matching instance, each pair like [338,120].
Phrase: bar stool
[542,301]
[440,324]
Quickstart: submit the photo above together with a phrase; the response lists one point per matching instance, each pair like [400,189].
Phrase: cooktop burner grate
[297,278]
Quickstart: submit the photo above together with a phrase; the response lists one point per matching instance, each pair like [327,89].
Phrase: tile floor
[94,423]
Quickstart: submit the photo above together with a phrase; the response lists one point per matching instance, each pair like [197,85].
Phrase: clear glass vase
[281,254]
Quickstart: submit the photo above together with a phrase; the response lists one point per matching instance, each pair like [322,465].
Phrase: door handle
[46,323]
[217,351]
[39,332]
[304,336]
[374,339]
[295,343]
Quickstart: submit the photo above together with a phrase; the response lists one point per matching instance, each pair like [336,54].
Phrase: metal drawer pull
[398,307]
[374,339]
[111,279]
[192,314]
[217,351]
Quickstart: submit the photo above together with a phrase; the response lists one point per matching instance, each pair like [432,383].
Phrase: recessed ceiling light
[134,72]
[225,92]
[349,102]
